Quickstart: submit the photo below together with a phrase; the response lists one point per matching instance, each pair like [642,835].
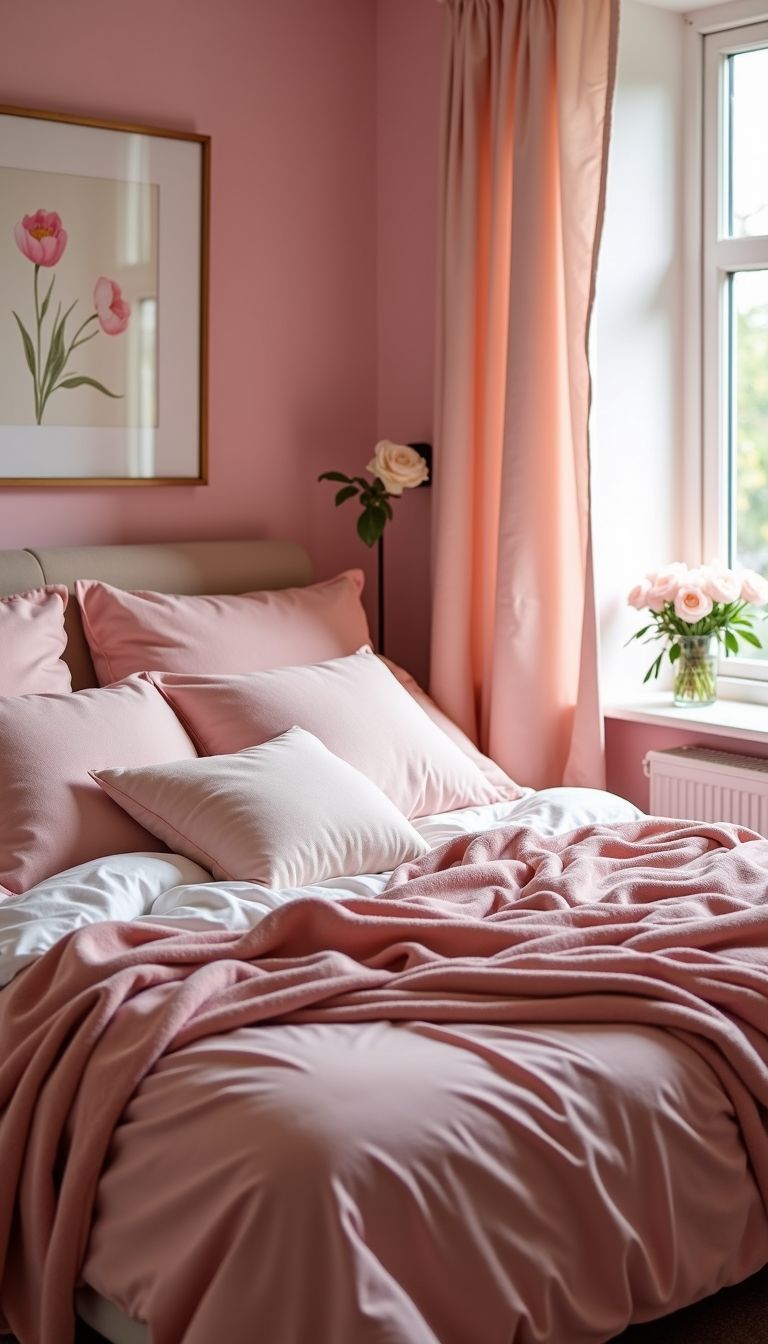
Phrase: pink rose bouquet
[708,603]
[395,467]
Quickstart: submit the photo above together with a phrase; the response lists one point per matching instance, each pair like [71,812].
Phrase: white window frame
[710,259]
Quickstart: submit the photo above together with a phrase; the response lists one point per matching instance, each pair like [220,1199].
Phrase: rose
[638,597]
[691,603]
[721,584]
[664,584]
[397,466]
[708,601]
[41,238]
[112,309]
[754,588]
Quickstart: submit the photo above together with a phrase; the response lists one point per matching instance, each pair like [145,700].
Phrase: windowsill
[726,718]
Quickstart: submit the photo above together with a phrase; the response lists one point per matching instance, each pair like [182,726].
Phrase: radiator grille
[702,785]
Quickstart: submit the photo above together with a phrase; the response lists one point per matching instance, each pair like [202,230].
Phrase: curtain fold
[527,93]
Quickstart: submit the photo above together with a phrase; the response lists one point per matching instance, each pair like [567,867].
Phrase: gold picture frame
[103,302]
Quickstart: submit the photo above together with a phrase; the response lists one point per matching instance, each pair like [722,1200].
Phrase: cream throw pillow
[284,814]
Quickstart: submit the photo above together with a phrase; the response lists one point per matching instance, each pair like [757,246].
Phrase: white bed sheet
[171,890]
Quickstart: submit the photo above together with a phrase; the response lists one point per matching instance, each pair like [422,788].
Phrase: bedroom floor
[735,1316]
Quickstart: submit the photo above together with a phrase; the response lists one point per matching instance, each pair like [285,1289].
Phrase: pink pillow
[163,632]
[52,815]
[355,706]
[496,777]
[32,640]
[284,814]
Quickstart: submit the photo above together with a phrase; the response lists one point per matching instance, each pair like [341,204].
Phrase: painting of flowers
[102,301]
[75,289]
[41,239]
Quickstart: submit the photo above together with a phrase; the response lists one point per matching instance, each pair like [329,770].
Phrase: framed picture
[103,302]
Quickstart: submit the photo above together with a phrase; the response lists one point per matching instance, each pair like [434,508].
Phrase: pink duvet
[522,1097]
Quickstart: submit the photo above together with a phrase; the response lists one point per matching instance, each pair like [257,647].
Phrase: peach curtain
[525,124]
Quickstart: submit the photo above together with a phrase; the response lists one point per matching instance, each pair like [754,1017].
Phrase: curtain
[528,86]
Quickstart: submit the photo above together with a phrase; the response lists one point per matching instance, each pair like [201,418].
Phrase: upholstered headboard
[164,567]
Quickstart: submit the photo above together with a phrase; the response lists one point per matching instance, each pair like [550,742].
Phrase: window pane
[749,425]
[747,82]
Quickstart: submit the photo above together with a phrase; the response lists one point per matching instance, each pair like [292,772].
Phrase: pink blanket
[652,923]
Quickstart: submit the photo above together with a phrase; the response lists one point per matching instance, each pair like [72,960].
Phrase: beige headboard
[164,567]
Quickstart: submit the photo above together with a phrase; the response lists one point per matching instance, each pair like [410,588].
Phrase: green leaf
[653,670]
[29,349]
[333,476]
[374,506]
[370,525]
[47,299]
[346,493]
[83,340]
[751,638]
[57,353]
[731,643]
[81,381]
[61,322]
[674,653]
[56,357]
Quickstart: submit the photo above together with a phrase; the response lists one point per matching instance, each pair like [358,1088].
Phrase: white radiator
[703,785]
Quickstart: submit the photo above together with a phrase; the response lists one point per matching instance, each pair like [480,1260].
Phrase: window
[735,307]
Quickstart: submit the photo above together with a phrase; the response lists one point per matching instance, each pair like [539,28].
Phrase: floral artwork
[395,467]
[104,313]
[48,347]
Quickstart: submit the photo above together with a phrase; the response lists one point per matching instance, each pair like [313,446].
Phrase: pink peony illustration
[41,238]
[112,309]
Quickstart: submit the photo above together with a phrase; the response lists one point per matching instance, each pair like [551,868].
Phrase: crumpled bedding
[405,1165]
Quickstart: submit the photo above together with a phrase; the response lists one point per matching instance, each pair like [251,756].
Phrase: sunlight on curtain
[525,119]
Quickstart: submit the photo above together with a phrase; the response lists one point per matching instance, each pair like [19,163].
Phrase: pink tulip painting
[42,239]
[111,308]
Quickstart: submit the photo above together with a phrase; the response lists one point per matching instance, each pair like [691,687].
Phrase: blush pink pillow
[162,632]
[285,814]
[357,709]
[32,640]
[52,814]
[496,777]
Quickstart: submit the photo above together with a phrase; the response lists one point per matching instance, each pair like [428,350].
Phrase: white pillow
[287,813]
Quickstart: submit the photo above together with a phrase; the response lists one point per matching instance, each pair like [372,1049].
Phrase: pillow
[32,640]
[52,815]
[284,814]
[497,778]
[136,631]
[356,708]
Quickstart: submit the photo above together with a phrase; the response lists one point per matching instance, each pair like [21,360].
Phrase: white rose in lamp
[398,466]
[395,467]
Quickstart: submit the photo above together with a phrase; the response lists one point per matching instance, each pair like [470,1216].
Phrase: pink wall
[626,744]
[286,90]
[324,126]
[409,59]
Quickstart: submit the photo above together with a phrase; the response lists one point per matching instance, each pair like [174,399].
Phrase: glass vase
[696,671]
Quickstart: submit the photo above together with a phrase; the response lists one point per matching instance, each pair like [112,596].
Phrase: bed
[466,1128]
